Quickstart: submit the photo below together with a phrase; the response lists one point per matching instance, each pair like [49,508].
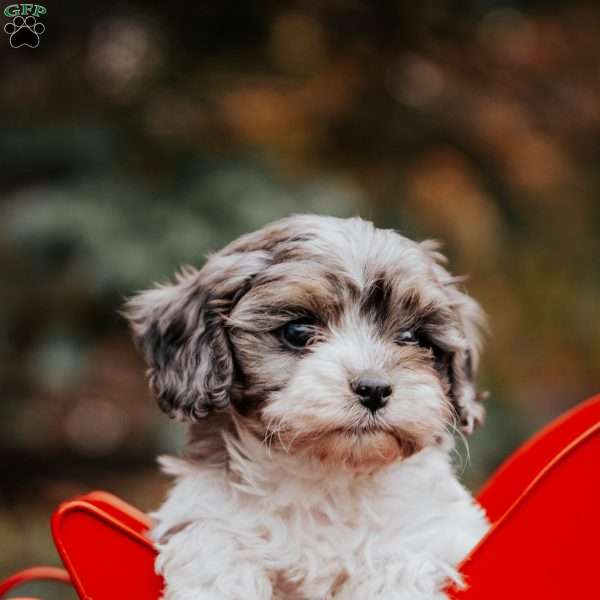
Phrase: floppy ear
[465,360]
[464,395]
[179,329]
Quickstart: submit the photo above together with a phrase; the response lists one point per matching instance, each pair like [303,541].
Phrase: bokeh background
[141,135]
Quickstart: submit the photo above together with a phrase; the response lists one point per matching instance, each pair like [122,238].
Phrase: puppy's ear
[179,330]
[465,360]
[465,397]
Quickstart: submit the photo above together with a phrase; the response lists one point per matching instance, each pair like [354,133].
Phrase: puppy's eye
[407,338]
[298,334]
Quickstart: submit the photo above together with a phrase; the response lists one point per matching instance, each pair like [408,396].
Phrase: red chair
[544,505]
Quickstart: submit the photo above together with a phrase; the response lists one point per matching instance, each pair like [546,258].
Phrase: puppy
[322,364]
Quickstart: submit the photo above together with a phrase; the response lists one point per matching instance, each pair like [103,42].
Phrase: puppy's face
[328,337]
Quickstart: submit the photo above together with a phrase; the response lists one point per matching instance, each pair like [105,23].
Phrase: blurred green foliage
[141,136]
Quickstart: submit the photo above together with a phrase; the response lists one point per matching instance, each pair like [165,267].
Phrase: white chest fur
[270,529]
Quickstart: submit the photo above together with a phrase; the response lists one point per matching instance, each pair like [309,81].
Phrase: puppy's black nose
[373,392]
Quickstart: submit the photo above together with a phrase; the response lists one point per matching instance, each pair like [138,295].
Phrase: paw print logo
[24,31]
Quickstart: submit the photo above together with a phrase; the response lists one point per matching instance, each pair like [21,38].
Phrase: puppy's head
[325,336]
